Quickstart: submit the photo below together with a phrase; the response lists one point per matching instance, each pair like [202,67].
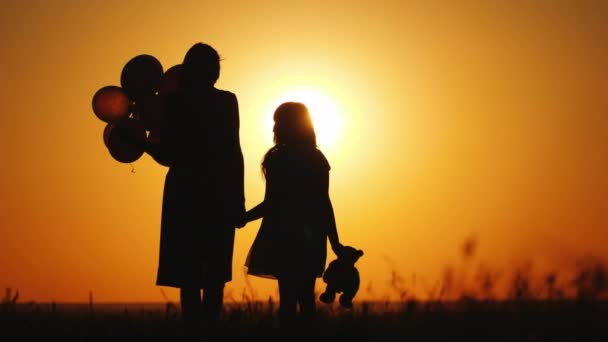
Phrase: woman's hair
[293,127]
[201,66]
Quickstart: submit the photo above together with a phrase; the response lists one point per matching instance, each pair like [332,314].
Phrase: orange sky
[457,120]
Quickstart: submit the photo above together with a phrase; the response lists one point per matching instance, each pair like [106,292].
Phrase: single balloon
[141,76]
[170,80]
[106,132]
[126,140]
[111,104]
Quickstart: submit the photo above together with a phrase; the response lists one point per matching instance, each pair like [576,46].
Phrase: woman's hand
[241,221]
[241,218]
[130,135]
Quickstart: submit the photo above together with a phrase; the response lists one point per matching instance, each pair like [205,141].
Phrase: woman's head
[201,66]
[293,125]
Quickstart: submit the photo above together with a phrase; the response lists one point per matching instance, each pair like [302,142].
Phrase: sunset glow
[325,113]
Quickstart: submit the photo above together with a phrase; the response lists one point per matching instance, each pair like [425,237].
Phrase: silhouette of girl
[298,217]
[203,198]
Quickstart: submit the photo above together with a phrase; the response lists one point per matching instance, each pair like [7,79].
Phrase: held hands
[251,215]
[241,218]
[241,221]
[244,218]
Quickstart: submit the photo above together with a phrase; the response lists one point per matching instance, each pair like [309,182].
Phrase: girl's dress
[293,233]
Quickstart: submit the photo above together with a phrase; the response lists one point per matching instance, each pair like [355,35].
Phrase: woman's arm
[238,163]
[152,145]
[256,212]
[157,152]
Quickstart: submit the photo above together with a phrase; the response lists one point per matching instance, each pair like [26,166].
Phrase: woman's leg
[213,301]
[190,299]
[287,303]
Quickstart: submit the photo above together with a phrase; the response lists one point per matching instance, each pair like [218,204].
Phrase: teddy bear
[341,275]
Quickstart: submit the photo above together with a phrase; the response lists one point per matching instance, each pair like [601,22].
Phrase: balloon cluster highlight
[134,111]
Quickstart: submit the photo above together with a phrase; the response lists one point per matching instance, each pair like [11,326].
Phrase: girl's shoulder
[321,159]
[281,155]
[273,156]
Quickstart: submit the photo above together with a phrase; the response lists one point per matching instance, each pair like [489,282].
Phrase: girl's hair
[201,66]
[293,127]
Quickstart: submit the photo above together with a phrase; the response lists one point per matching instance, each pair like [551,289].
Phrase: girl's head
[201,66]
[292,128]
[293,125]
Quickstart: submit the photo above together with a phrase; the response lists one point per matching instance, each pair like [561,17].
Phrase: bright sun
[324,112]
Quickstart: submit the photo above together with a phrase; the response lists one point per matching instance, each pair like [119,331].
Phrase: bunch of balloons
[135,108]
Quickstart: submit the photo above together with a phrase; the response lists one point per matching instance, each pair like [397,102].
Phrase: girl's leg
[190,299]
[287,303]
[306,298]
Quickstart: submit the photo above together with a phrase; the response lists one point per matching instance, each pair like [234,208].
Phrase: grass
[466,319]
[541,307]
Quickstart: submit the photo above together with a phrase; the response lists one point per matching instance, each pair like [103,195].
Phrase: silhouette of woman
[203,198]
[298,217]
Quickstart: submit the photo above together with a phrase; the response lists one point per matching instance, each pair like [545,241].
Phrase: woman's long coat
[203,193]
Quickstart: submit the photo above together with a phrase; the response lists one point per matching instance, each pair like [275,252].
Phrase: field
[547,308]
[462,320]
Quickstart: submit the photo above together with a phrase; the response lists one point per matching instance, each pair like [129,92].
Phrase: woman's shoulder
[224,93]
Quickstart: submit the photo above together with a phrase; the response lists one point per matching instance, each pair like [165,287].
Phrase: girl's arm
[332,230]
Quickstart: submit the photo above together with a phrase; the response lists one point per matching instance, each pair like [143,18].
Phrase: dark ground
[411,320]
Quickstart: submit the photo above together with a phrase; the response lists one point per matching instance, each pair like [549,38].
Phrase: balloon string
[132,168]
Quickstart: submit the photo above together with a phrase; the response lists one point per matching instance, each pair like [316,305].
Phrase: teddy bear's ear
[360,252]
